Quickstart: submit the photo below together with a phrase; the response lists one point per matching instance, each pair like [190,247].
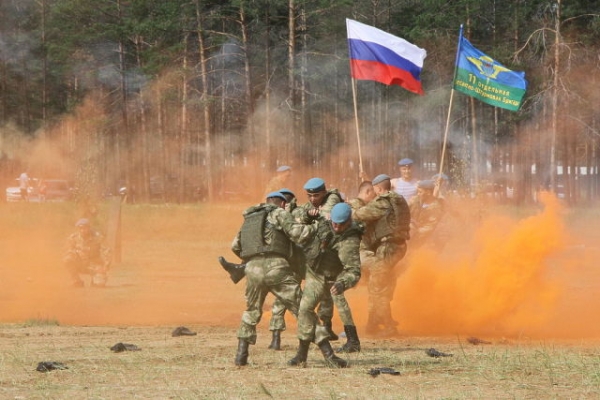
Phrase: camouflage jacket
[274,185]
[380,208]
[331,199]
[345,245]
[280,219]
[424,218]
[90,249]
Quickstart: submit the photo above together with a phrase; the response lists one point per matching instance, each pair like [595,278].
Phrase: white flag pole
[360,163]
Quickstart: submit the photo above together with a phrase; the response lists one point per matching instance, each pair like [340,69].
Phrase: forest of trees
[205,99]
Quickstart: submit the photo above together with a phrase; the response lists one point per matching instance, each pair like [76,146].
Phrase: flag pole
[449,113]
[360,163]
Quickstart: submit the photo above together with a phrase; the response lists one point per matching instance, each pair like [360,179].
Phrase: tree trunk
[205,105]
[554,138]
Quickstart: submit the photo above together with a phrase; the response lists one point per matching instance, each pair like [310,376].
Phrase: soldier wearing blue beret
[387,220]
[264,243]
[333,266]
[426,211]
[320,202]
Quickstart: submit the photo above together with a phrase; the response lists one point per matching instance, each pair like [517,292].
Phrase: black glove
[338,288]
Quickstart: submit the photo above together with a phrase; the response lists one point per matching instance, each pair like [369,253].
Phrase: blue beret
[405,161]
[287,191]
[380,178]
[444,177]
[284,168]
[82,222]
[314,185]
[426,184]
[341,213]
[276,194]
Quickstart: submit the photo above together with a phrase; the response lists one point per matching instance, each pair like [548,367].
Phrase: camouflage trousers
[316,288]
[324,312]
[267,274]
[382,281]
[77,266]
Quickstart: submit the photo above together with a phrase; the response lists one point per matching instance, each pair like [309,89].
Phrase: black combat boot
[352,344]
[276,341]
[241,358]
[236,271]
[302,355]
[330,357]
[330,332]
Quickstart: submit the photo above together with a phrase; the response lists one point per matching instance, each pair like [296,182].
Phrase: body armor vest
[255,232]
[395,224]
[329,263]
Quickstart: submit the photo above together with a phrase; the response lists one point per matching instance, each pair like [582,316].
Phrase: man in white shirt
[406,184]
[24,186]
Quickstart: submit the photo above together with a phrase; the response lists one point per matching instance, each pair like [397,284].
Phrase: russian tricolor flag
[379,56]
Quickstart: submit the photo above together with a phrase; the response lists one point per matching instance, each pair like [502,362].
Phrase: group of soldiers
[328,243]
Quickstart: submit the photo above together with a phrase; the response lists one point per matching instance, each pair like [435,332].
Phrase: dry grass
[201,367]
[169,277]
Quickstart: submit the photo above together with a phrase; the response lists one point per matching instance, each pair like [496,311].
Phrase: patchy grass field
[544,347]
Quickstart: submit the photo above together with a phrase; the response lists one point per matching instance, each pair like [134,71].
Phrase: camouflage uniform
[424,219]
[387,218]
[325,310]
[339,300]
[274,184]
[270,272]
[319,276]
[87,254]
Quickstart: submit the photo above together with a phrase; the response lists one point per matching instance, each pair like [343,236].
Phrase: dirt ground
[526,284]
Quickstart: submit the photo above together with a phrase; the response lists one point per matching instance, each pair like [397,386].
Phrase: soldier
[406,184]
[278,181]
[387,218]
[264,242]
[87,254]
[426,210]
[322,200]
[297,261]
[352,345]
[333,263]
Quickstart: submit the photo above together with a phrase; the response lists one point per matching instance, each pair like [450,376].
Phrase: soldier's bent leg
[236,271]
[75,267]
[311,296]
[325,313]
[343,308]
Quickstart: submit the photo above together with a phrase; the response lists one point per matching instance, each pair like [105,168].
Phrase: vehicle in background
[42,190]
[54,190]
[13,193]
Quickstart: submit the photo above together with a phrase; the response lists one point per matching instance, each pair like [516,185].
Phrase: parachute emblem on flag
[487,66]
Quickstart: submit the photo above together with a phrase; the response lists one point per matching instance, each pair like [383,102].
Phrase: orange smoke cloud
[499,284]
